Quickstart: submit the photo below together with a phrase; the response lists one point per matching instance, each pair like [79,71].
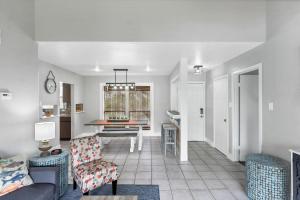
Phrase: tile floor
[208,175]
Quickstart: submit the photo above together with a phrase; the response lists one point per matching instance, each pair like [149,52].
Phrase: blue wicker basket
[268,177]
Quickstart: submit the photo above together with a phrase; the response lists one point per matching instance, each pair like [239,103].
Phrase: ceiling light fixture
[97,69]
[148,69]
[198,69]
[121,85]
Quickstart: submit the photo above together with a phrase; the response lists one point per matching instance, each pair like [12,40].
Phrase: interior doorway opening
[66,111]
[247,113]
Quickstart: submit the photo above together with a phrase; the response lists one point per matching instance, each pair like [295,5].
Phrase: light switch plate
[271,106]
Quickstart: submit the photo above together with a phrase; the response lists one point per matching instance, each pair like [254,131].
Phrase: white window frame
[145,132]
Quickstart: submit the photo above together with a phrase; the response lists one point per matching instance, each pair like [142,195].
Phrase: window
[135,104]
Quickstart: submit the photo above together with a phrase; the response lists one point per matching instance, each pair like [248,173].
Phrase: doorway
[65,107]
[247,135]
[174,94]
[196,106]
[220,113]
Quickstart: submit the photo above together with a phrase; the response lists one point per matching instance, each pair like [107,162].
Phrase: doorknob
[225,120]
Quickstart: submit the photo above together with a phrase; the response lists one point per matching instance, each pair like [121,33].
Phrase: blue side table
[61,161]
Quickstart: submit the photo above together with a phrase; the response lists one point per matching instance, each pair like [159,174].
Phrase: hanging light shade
[121,85]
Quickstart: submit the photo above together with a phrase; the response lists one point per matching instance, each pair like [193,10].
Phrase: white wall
[19,74]
[246,60]
[156,20]
[281,84]
[161,96]
[64,76]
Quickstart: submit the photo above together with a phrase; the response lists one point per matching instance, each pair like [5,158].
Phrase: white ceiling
[155,58]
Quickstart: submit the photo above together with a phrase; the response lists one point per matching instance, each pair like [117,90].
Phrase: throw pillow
[13,174]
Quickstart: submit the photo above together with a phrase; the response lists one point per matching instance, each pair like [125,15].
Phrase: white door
[220,114]
[196,107]
[249,115]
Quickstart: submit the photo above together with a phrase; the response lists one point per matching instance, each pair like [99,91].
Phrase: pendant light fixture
[198,69]
[121,85]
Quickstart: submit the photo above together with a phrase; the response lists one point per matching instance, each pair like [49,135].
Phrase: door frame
[204,86]
[73,107]
[235,108]
[227,115]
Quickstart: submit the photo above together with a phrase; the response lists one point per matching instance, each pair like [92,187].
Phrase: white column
[132,142]
[183,74]
[140,136]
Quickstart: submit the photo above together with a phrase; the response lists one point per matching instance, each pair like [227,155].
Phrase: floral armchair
[89,170]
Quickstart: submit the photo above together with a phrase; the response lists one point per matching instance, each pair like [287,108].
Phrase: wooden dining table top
[106,123]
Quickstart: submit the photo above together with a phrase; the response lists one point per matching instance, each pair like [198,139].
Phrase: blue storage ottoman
[268,177]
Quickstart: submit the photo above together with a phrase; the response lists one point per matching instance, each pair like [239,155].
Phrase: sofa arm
[46,175]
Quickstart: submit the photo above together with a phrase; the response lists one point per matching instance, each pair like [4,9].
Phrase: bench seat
[118,134]
[120,129]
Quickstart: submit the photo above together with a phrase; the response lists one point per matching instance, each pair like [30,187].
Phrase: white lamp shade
[44,131]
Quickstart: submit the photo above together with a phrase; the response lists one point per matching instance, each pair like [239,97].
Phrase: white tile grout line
[203,183]
[221,182]
[192,148]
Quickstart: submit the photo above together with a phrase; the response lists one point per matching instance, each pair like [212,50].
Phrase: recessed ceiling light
[97,69]
[148,69]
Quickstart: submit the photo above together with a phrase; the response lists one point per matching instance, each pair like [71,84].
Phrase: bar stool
[162,139]
[169,136]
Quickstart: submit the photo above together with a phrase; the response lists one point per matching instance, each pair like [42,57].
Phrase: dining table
[99,125]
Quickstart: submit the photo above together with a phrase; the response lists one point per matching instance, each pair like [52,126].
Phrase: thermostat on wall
[5,95]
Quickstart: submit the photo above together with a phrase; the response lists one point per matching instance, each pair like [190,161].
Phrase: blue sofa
[45,187]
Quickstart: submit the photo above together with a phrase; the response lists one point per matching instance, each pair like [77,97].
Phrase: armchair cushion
[85,149]
[46,175]
[41,191]
[45,187]
[94,174]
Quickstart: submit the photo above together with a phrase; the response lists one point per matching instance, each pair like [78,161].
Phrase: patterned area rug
[144,192]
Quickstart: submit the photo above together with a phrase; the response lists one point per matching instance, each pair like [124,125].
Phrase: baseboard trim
[210,142]
[230,156]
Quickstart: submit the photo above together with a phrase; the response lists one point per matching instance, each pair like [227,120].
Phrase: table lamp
[44,131]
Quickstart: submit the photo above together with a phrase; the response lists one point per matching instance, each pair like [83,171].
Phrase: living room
[111,70]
